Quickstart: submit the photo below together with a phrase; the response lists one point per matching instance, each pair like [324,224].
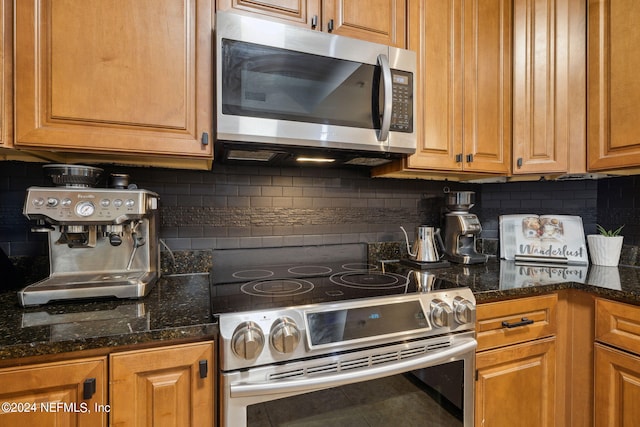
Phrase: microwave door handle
[383,134]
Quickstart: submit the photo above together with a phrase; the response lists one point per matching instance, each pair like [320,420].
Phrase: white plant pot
[604,250]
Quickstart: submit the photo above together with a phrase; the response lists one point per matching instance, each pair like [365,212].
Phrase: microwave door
[277,84]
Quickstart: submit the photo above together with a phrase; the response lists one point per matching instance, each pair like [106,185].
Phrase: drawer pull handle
[523,322]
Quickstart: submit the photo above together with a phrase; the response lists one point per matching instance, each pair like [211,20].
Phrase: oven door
[426,381]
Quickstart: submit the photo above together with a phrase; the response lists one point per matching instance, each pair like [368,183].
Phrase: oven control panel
[271,336]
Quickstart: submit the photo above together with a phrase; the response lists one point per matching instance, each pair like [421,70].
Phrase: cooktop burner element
[277,287]
[370,280]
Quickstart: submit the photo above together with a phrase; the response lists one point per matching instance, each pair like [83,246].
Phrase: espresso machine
[461,228]
[103,242]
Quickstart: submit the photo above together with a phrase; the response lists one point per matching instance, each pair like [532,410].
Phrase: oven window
[267,82]
[398,400]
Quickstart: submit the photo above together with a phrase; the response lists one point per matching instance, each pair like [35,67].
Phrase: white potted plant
[605,248]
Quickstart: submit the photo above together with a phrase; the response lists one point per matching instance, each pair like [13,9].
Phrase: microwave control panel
[402,112]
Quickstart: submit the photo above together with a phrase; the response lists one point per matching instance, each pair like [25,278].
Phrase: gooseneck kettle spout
[425,247]
[406,238]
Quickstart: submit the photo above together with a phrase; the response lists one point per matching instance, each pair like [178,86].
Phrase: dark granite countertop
[177,308]
[499,279]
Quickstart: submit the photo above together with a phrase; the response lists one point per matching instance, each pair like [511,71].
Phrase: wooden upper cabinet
[464,84]
[131,76]
[304,13]
[6,74]
[613,88]
[487,86]
[379,21]
[549,77]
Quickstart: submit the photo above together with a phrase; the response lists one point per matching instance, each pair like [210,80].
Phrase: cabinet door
[617,388]
[114,76]
[435,32]
[304,13]
[51,394]
[549,96]
[487,86]
[464,84]
[379,21]
[163,386]
[516,385]
[6,74]
[613,87]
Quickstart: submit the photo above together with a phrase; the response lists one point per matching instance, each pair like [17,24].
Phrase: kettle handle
[439,237]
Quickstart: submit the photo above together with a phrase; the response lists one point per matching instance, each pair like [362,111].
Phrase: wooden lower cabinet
[52,394]
[168,386]
[617,364]
[516,385]
[516,361]
[617,388]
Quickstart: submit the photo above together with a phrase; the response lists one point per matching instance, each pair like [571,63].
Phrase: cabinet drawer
[618,324]
[515,321]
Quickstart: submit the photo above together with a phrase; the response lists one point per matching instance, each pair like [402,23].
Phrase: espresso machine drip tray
[128,284]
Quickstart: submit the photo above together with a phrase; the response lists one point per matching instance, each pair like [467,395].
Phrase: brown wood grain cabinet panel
[617,388]
[491,333]
[618,324]
[112,76]
[162,386]
[6,74]
[516,385]
[59,383]
[613,85]
[464,87]
[549,95]
[379,21]
[293,12]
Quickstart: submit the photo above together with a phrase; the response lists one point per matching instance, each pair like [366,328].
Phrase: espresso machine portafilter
[103,242]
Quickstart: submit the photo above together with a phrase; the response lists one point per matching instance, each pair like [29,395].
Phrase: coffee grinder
[461,228]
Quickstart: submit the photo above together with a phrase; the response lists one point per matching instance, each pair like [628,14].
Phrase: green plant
[609,233]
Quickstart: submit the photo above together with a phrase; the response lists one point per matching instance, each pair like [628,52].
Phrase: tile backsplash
[243,206]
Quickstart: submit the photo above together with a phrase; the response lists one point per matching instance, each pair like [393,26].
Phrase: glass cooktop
[251,287]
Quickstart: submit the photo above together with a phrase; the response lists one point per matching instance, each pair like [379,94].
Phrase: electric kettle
[424,247]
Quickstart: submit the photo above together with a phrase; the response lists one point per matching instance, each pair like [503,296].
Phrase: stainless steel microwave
[285,93]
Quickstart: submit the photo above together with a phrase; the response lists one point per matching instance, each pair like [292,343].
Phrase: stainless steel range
[103,242]
[328,321]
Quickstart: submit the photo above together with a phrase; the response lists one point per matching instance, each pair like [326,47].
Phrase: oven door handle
[462,347]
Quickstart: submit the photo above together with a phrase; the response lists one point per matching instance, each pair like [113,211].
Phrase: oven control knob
[285,335]
[247,340]
[441,313]
[464,310]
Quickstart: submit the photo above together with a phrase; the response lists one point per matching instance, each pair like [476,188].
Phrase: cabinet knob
[314,21]
[519,162]
[469,158]
[205,138]
[330,25]
[459,158]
